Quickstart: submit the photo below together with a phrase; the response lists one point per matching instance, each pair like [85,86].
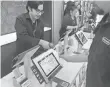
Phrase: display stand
[29,76]
[23,79]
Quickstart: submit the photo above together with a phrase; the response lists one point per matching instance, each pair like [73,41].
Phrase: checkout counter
[47,69]
[42,71]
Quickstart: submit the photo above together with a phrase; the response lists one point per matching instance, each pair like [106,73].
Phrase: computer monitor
[81,37]
[46,66]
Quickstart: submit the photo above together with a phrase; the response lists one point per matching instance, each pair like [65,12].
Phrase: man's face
[36,13]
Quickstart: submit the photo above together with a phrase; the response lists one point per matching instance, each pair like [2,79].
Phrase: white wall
[56,20]
[9,38]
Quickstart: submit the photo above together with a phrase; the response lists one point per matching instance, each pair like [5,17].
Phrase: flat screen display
[82,38]
[48,64]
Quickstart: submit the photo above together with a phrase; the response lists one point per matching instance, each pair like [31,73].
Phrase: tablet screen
[48,64]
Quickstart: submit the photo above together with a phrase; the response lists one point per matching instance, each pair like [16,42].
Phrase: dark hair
[70,6]
[33,4]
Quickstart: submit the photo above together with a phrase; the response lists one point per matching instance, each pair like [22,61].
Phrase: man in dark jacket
[30,28]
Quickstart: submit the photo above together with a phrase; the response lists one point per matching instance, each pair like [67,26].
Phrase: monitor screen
[82,38]
[48,64]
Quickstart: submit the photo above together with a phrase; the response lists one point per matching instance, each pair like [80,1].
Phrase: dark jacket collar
[27,15]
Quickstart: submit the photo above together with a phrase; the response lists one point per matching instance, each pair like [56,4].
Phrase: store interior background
[52,17]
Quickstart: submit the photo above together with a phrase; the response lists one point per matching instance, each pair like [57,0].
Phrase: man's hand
[51,45]
[45,44]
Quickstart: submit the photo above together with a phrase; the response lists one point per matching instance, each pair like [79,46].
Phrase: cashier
[98,68]
[70,19]
[30,28]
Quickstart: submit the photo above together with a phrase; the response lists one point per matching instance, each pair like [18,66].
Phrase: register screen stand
[46,66]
